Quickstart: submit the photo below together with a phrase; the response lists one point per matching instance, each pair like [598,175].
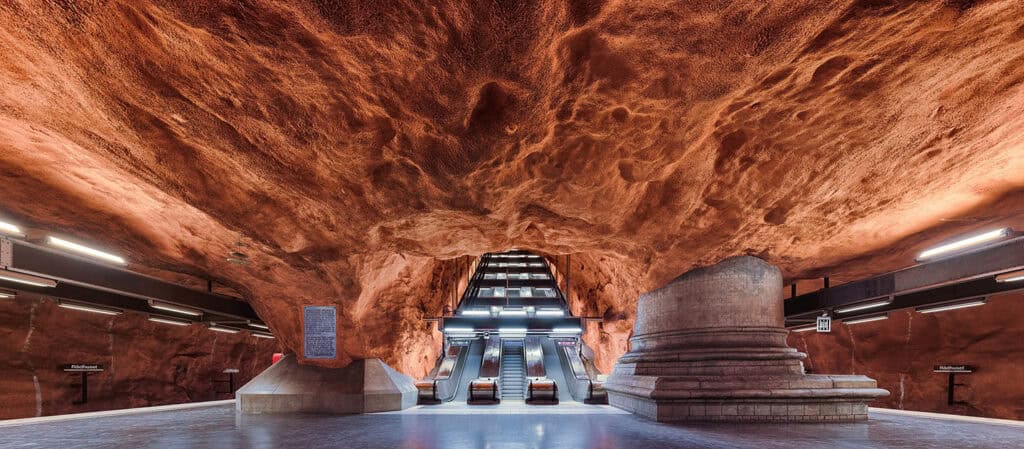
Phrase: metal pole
[85,387]
[792,290]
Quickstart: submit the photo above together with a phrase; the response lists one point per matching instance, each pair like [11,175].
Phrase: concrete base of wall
[365,386]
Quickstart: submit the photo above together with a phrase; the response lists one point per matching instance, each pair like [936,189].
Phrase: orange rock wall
[146,363]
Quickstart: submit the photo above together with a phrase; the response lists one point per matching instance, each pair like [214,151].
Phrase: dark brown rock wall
[901,352]
[146,363]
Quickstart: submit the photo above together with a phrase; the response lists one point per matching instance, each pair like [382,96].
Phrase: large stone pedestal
[711,346]
[365,386]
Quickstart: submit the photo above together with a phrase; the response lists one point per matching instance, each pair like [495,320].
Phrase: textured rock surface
[900,353]
[146,363]
[358,147]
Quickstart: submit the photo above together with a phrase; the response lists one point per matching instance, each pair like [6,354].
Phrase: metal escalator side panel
[490,366]
[470,370]
[533,352]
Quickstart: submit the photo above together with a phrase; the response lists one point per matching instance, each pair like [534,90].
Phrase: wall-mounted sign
[82,367]
[954,369]
[320,327]
[824,324]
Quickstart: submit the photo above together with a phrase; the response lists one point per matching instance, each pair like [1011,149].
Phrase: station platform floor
[492,427]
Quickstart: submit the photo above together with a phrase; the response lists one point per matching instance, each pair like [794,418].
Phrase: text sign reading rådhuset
[320,327]
[954,369]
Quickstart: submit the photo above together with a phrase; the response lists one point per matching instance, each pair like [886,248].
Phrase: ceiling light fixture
[85,250]
[865,305]
[964,243]
[7,295]
[952,306]
[511,330]
[173,308]
[85,308]
[550,312]
[508,312]
[804,328]
[448,329]
[27,279]
[472,312]
[260,326]
[262,335]
[170,321]
[226,330]
[1013,276]
[10,229]
[867,319]
[568,330]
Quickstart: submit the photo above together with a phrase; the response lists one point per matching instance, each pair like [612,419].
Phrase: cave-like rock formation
[357,149]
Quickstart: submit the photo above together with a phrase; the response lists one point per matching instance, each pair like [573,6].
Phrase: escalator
[512,373]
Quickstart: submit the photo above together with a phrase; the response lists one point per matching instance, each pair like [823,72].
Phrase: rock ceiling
[356,148]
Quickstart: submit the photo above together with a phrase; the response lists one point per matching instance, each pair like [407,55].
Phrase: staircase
[513,371]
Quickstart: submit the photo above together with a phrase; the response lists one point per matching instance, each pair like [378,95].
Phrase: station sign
[82,367]
[954,369]
[824,324]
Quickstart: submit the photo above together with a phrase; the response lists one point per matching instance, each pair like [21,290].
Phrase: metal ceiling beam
[108,285]
[961,276]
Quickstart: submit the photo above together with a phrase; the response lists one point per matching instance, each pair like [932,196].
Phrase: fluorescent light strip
[81,249]
[945,307]
[226,330]
[964,243]
[568,330]
[7,295]
[10,229]
[867,319]
[260,326]
[169,321]
[507,312]
[550,313]
[1013,276]
[85,308]
[805,328]
[475,312]
[262,335]
[511,330]
[864,306]
[175,309]
[458,329]
[26,279]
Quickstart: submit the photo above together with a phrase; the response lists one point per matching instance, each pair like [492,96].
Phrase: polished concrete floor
[491,428]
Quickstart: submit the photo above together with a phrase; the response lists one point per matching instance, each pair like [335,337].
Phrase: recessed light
[226,330]
[10,229]
[867,319]
[952,306]
[964,243]
[1013,276]
[88,308]
[865,305]
[85,250]
[170,321]
[27,279]
[173,308]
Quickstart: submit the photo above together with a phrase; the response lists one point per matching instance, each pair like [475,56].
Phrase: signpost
[85,369]
[953,370]
[320,328]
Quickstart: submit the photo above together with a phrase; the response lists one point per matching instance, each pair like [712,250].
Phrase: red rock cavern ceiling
[357,148]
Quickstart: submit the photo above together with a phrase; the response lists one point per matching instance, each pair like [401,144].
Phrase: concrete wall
[900,353]
[146,363]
